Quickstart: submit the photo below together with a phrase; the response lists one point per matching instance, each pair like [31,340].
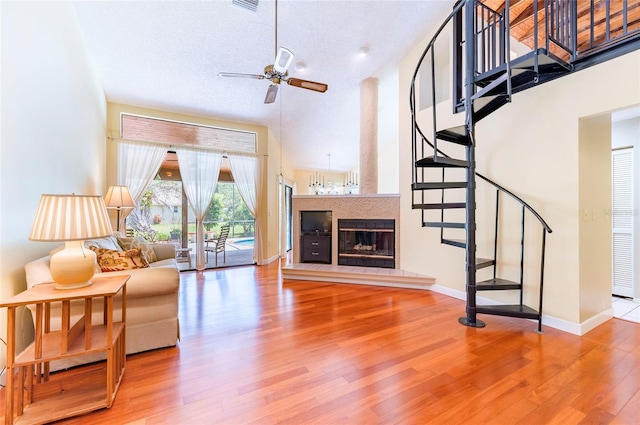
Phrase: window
[135,127]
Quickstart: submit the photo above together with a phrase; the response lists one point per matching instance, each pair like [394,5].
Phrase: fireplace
[369,243]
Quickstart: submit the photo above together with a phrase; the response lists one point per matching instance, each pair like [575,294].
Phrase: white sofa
[152,303]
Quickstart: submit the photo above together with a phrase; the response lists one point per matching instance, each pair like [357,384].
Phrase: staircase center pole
[470,59]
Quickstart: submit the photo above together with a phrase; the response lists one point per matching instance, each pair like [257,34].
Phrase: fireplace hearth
[368,242]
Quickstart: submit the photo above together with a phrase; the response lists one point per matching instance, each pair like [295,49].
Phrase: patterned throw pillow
[125,243]
[147,250]
[111,260]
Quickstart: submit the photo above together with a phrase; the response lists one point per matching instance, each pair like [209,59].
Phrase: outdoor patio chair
[218,245]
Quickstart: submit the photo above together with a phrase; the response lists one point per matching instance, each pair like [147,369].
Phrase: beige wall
[270,156]
[272,180]
[594,168]
[53,130]
[533,147]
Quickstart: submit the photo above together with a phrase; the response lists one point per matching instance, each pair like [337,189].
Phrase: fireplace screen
[369,243]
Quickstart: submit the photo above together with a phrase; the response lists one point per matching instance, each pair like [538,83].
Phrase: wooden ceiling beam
[522,19]
[526,14]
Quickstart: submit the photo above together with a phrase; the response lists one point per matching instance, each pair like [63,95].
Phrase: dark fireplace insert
[368,242]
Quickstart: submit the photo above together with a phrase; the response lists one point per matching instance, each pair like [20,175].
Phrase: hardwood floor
[257,351]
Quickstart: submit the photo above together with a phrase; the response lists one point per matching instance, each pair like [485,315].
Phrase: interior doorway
[625,202]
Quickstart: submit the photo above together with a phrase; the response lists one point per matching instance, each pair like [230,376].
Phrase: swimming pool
[244,242]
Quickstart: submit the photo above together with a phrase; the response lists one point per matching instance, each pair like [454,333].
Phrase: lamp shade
[70,218]
[118,197]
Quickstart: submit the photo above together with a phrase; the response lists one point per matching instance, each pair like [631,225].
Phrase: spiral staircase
[564,36]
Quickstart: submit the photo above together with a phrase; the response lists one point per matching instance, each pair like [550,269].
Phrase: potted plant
[175,233]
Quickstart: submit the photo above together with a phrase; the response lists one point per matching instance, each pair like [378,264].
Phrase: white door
[622,221]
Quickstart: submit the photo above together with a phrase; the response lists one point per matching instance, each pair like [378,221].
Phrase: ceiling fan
[278,72]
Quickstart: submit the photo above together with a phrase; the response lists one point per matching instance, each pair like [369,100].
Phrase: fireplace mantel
[359,206]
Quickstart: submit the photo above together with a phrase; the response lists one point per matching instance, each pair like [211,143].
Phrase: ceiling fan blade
[272,92]
[283,60]
[239,75]
[309,85]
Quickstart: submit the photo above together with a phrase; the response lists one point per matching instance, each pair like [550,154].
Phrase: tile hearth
[357,275]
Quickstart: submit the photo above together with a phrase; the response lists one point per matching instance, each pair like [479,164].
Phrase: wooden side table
[31,397]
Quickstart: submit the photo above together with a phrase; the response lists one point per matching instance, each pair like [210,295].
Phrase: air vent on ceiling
[251,5]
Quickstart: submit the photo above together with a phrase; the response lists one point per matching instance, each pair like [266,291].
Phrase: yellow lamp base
[73,266]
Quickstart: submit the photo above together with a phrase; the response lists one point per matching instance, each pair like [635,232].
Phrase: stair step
[438,185]
[510,310]
[442,206]
[497,86]
[456,134]
[444,225]
[497,284]
[547,64]
[460,243]
[485,106]
[481,263]
[441,162]
[523,76]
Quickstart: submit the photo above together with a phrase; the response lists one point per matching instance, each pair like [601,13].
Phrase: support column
[369,136]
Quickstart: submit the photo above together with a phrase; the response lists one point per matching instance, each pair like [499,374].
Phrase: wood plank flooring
[255,350]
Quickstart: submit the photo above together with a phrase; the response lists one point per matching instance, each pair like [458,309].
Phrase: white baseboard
[551,321]
[269,260]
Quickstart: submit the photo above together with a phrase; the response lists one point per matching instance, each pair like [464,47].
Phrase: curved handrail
[520,200]
[497,186]
[455,10]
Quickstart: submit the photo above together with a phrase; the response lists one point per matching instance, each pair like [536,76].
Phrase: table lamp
[71,219]
[118,197]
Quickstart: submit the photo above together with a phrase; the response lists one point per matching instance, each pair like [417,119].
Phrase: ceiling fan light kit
[278,72]
[283,60]
[272,92]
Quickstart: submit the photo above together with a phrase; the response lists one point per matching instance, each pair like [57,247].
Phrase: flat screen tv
[315,222]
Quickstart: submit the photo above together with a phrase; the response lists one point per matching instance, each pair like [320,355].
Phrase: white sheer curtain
[247,172]
[199,170]
[138,164]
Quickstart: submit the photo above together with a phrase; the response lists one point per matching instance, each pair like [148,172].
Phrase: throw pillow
[108,242]
[125,243]
[147,249]
[111,260]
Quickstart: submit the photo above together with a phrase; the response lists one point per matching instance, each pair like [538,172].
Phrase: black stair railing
[491,40]
[561,24]
[422,145]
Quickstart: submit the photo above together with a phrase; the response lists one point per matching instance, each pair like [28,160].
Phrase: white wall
[52,128]
[531,146]
[623,134]
[388,142]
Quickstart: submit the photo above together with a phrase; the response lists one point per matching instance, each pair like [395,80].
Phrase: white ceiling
[166,55]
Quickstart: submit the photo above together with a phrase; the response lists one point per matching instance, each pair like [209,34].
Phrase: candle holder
[351,182]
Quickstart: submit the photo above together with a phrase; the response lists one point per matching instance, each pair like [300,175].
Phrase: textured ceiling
[167,54]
